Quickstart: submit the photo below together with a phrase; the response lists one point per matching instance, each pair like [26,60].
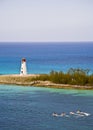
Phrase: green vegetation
[72,77]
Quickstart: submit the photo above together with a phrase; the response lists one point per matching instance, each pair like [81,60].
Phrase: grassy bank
[74,78]
[16,79]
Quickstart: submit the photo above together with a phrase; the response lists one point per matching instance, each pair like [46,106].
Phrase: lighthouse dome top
[23,59]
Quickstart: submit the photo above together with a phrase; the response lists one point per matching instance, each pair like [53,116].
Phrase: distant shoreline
[25,80]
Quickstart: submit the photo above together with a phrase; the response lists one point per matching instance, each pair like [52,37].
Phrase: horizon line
[44,41]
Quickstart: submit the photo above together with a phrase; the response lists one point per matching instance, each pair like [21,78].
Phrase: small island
[74,78]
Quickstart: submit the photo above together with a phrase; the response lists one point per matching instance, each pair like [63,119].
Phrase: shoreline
[25,80]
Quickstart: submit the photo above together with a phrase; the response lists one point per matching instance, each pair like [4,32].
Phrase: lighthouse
[23,70]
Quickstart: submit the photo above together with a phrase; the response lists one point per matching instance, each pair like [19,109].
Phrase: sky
[46,20]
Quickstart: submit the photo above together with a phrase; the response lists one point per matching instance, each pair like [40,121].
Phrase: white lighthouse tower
[23,70]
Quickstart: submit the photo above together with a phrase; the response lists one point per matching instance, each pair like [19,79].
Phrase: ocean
[31,108]
[44,57]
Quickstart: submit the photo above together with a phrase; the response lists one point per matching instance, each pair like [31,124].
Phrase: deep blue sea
[44,57]
[31,108]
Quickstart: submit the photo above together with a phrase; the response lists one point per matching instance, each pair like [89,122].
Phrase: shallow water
[31,108]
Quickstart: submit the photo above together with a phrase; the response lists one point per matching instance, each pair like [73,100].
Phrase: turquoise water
[31,108]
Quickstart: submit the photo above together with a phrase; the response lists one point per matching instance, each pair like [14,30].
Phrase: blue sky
[46,20]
